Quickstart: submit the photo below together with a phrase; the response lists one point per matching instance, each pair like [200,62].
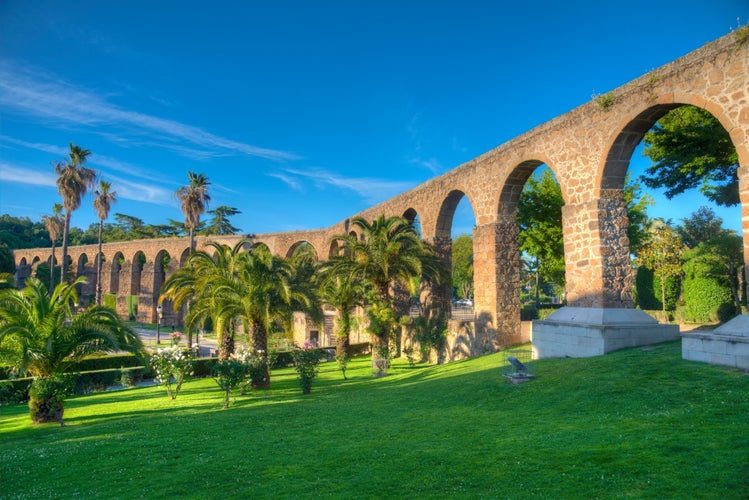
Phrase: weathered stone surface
[588,149]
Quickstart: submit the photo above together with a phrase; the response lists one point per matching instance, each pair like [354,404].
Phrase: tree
[690,149]
[102,204]
[194,200]
[389,253]
[73,182]
[637,213]
[462,263]
[540,223]
[41,336]
[721,258]
[252,286]
[663,254]
[702,226]
[219,224]
[55,225]
[344,294]
[304,285]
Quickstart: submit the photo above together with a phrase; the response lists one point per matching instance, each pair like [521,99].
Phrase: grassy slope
[632,423]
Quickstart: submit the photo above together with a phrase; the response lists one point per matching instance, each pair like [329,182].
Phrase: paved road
[207,346]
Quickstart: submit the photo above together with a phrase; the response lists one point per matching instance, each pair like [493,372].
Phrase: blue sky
[303,113]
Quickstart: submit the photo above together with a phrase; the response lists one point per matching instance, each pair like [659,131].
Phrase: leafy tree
[20,232]
[462,262]
[40,334]
[721,258]
[388,253]
[102,204]
[540,223]
[219,223]
[303,284]
[194,199]
[637,213]
[7,263]
[663,254]
[690,149]
[55,225]
[73,182]
[702,226]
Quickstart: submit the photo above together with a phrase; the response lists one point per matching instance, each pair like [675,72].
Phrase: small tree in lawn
[306,362]
[663,253]
[228,374]
[171,363]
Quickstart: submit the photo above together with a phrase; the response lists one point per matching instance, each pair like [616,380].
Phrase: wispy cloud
[288,180]
[18,175]
[431,164]
[370,189]
[47,97]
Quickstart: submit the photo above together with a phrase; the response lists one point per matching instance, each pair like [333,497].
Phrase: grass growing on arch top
[632,423]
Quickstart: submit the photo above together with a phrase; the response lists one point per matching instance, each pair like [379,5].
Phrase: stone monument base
[581,332]
[727,345]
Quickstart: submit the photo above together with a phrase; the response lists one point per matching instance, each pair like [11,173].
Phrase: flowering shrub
[176,337]
[306,362]
[256,364]
[172,365]
[228,374]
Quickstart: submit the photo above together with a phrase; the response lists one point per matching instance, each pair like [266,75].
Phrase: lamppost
[158,325]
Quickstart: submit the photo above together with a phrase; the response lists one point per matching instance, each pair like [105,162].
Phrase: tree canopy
[690,149]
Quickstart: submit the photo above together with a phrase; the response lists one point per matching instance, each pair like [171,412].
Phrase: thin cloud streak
[26,176]
[32,93]
[370,189]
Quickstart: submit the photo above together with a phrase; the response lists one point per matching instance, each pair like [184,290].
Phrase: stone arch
[300,245]
[412,216]
[87,271]
[447,211]
[184,256]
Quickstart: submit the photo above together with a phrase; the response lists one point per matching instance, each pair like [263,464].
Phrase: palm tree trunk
[260,346]
[64,264]
[98,266]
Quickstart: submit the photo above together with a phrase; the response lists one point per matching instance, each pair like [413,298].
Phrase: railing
[458,312]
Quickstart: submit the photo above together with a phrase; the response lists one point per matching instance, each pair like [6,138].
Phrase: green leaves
[691,149]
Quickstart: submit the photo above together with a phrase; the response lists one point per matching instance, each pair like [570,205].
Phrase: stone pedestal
[581,332]
[727,345]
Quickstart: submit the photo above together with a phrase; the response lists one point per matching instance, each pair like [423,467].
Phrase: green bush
[707,297]
[203,367]
[110,300]
[528,313]
[14,391]
[94,363]
[132,307]
[47,397]
[95,381]
[648,291]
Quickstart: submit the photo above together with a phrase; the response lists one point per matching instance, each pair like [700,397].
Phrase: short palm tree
[194,200]
[389,253]
[73,182]
[40,335]
[343,294]
[102,204]
[54,224]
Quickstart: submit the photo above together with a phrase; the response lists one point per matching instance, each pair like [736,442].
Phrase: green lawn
[635,423]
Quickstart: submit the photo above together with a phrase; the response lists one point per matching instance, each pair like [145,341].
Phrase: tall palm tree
[194,200]
[102,204]
[73,182]
[389,253]
[304,286]
[40,333]
[55,225]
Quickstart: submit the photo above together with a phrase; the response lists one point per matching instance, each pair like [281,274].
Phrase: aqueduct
[588,149]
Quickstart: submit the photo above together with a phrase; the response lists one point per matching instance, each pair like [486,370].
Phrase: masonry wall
[588,149]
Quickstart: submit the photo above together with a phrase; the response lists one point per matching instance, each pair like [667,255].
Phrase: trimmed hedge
[104,362]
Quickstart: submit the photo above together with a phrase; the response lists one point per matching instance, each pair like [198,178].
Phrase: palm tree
[54,225]
[102,204]
[303,288]
[194,200]
[389,253]
[73,182]
[197,282]
[344,294]
[40,335]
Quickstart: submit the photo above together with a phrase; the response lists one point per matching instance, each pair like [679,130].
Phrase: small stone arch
[302,245]
[412,216]
[447,211]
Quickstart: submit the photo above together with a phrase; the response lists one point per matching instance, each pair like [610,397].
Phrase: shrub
[132,307]
[228,374]
[110,300]
[47,398]
[14,391]
[172,363]
[307,362]
[707,297]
